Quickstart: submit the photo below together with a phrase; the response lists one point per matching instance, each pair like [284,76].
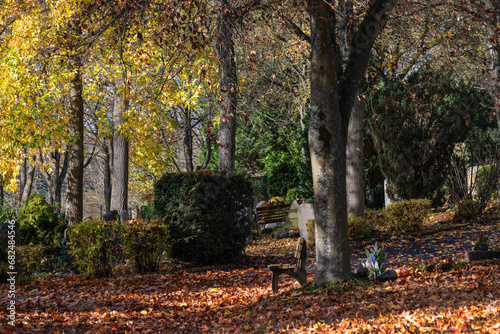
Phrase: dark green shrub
[466,209]
[6,213]
[260,187]
[38,221]
[39,224]
[145,244]
[359,227]
[96,246]
[291,195]
[206,214]
[415,125]
[407,216]
[148,212]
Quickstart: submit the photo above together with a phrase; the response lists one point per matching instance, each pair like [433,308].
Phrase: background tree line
[134,89]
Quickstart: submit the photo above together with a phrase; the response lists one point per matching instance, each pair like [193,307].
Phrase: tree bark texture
[493,51]
[188,140]
[228,87]
[332,99]
[354,153]
[27,175]
[107,175]
[74,195]
[2,195]
[355,163]
[119,189]
[327,144]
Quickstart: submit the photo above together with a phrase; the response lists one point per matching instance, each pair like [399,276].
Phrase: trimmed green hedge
[408,216]
[207,215]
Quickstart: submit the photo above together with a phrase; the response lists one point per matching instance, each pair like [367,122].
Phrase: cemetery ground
[436,292]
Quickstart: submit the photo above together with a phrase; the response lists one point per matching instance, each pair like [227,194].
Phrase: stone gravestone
[136,213]
[124,216]
[305,212]
[293,219]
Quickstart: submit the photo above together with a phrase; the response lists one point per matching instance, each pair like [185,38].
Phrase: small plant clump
[481,244]
[285,232]
[466,209]
[374,261]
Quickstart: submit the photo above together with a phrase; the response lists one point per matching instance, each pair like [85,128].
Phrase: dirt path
[439,246]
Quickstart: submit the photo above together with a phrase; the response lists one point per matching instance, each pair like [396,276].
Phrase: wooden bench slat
[271,214]
[281,266]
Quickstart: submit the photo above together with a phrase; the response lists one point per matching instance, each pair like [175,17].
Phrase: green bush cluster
[145,244]
[39,225]
[466,209]
[206,215]
[96,246]
[407,216]
[359,227]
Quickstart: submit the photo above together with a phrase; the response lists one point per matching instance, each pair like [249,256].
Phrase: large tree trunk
[327,144]
[119,190]
[355,163]
[332,99]
[74,197]
[228,87]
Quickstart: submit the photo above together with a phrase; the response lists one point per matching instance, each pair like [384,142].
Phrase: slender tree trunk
[327,144]
[493,50]
[56,177]
[2,195]
[188,141]
[355,163]
[354,152]
[107,176]
[119,197]
[74,196]
[228,87]
[27,175]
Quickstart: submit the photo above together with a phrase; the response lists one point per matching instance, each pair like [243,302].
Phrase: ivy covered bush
[206,214]
[407,216]
[39,225]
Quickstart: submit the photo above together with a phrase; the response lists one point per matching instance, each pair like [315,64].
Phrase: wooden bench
[298,272]
[271,214]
